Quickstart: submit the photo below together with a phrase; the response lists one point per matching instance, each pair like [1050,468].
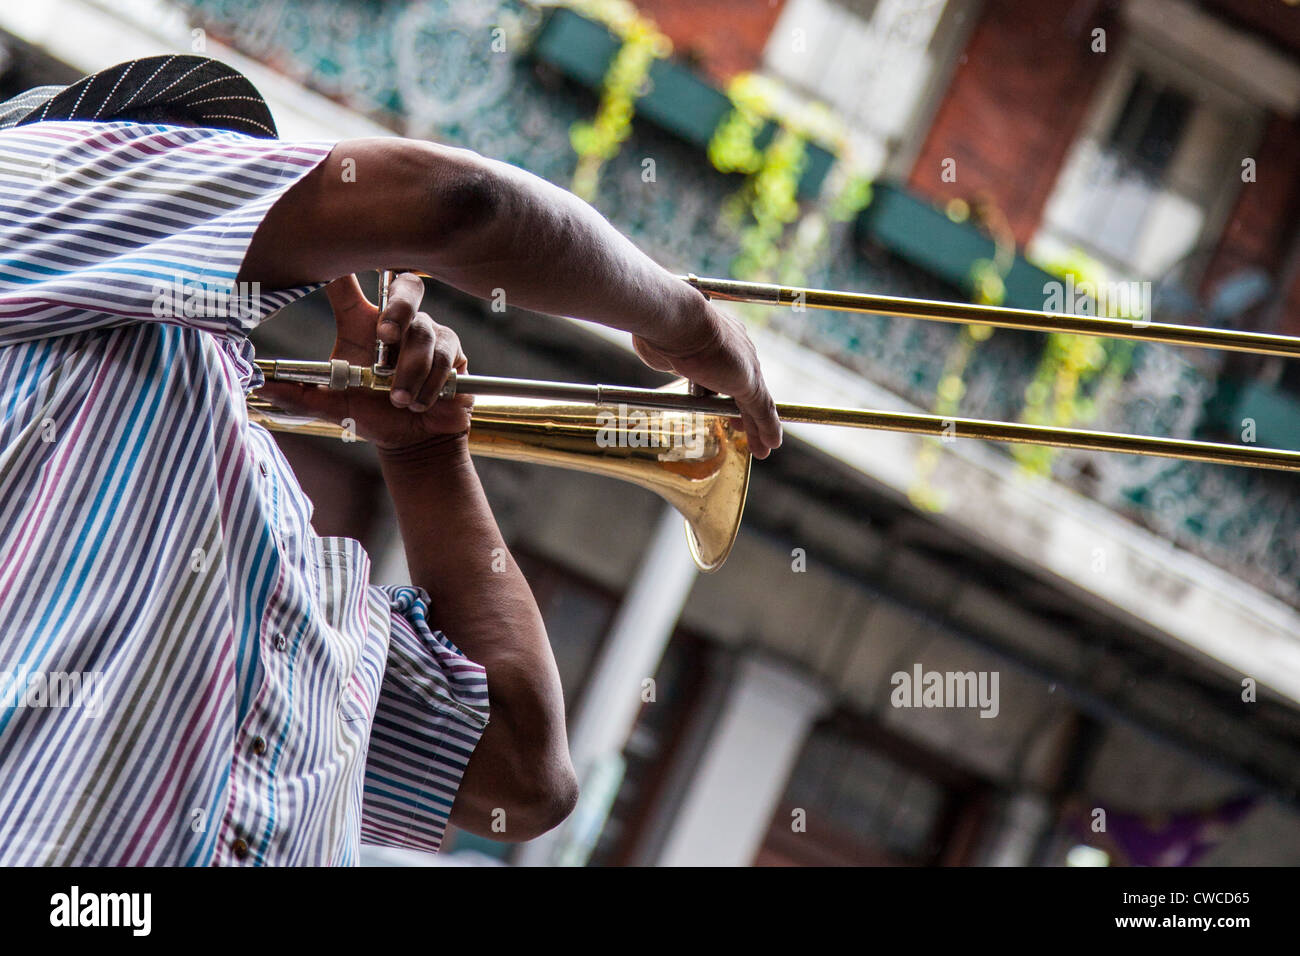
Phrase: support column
[746,765]
[607,711]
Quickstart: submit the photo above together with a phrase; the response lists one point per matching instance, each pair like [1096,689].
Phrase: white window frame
[826,25]
[1215,65]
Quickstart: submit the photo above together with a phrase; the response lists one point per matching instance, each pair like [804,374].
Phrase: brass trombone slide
[339,374]
[965,313]
[704,471]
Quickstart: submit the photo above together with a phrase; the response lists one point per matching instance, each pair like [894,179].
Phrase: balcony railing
[677,99]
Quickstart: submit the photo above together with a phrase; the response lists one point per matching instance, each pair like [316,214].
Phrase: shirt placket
[261,738]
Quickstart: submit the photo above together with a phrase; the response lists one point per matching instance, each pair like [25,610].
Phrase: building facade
[1125,632]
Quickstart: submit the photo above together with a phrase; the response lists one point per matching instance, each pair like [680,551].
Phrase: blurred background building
[1142,616]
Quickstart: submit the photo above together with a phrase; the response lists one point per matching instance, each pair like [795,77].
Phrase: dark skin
[455,551]
[480,226]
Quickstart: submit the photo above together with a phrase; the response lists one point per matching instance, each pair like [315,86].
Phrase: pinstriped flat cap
[155,89]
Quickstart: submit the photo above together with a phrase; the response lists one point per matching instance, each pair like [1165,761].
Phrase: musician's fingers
[650,355]
[404,295]
[447,355]
[414,359]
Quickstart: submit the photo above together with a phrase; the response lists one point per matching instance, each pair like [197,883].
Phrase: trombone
[685,447]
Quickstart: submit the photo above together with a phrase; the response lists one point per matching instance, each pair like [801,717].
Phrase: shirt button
[281,642]
[240,847]
[259,745]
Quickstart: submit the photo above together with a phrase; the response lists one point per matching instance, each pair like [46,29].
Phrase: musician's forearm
[481,601]
[475,223]
[549,251]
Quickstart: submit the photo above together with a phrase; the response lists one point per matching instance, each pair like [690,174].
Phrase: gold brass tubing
[934,425]
[334,374]
[1279,459]
[964,313]
[913,423]
[699,464]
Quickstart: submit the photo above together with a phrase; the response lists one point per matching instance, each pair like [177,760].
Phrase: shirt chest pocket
[343,575]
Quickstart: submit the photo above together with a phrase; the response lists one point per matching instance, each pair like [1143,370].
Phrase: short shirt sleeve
[103,224]
[432,711]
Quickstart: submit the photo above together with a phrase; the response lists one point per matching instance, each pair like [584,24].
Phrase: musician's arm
[481,601]
[482,225]
[472,222]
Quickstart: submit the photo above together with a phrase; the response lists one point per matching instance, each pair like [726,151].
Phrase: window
[1153,174]
[874,61]
[1149,128]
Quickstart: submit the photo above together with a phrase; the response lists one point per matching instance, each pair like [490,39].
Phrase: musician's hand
[411,413]
[716,352]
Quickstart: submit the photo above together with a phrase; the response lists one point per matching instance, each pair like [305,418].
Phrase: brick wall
[1289,321]
[721,37]
[1014,106]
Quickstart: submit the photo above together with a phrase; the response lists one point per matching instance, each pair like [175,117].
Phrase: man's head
[175,90]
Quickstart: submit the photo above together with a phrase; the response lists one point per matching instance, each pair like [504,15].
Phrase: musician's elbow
[547,804]
[537,794]
[463,198]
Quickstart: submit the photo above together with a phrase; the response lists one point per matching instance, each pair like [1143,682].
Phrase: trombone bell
[699,463]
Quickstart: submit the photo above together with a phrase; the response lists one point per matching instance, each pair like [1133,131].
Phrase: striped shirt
[188,673]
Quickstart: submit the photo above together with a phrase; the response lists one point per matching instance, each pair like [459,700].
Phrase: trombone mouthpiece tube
[336,374]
